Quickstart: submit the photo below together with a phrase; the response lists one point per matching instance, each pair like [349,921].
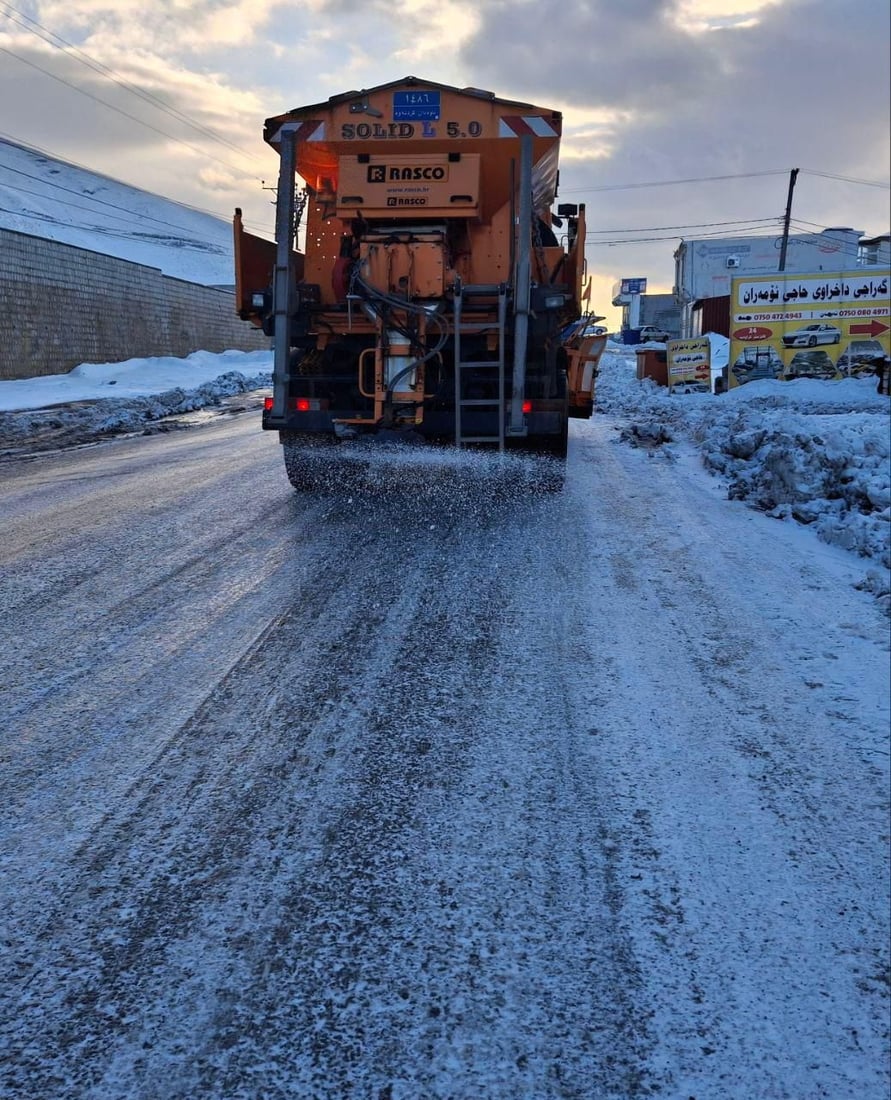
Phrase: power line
[711,179]
[745,231]
[817,225]
[190,245]
[847,179]
[753,230]
[844,245]
[130,214]
[77,54]
[118,110]
[105,202]
[695,225]
[671,183]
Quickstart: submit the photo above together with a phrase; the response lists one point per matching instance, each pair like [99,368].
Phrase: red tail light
[299,404]
[310,404]
[527,406]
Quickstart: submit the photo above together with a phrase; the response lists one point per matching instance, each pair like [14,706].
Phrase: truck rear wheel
[306,460]
[555,446]
[318,461]
[550,454]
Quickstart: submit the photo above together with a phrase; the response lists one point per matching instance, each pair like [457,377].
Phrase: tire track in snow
[451,824]
[754,866]
[405,894]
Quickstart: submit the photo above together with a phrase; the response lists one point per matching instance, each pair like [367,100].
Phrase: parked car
[651,332]
[811,335]
[581,328]
[690,387]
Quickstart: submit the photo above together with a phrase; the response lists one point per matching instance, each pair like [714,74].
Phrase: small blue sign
[634,286]
[416,106]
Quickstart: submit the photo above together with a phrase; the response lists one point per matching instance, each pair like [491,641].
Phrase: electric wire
[806,229]
[33,26]
[824,234]
[753,231]
[672,183]
[104,202]
[36,28]
[109,74]
[101,202]
[713,179]
[81,56]
[694,225]
[80,195]
[118,110]
[145,238]
[847,179]
[127,218]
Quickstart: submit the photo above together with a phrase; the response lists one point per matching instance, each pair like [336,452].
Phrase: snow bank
[814,451]
[131,378]
[78,407]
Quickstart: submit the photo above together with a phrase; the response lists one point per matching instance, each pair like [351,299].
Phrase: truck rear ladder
[495,366]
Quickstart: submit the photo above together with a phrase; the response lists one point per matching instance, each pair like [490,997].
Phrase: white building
[704,268]
[659,310]
[876,250]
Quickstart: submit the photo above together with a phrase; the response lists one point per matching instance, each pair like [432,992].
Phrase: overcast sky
[651,90]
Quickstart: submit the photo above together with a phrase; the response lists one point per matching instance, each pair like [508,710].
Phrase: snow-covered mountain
[51,198]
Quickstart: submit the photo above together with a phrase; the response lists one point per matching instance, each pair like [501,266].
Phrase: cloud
[595,53]
[175,27]
[50,100]
[136,98]
[703,15]
[655,91]
[801,65]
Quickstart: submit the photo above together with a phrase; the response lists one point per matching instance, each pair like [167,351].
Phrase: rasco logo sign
[399,173]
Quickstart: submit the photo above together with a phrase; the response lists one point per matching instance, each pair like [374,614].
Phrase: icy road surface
[468,796]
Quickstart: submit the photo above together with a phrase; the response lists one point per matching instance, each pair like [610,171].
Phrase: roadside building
[704,269]
[876,250]
[639,309]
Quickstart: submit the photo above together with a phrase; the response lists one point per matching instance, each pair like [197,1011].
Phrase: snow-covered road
[462,794]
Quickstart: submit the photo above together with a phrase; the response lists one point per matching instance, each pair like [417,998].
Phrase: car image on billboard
[811,335]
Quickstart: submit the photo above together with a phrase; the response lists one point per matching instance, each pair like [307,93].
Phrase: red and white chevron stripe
[304,131]
[518,125]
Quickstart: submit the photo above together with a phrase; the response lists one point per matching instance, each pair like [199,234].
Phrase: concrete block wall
[60,306]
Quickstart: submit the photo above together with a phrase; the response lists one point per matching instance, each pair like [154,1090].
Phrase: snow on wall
[65,305]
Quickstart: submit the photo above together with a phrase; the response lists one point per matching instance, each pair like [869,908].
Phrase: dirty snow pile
[104,399]
[818,452]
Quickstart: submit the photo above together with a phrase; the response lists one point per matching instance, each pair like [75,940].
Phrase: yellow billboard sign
[689,363]
[816,325]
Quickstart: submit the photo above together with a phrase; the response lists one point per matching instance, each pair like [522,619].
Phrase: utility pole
[793,176]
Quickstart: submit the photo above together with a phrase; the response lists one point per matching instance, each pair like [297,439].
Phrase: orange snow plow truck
[433,300]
